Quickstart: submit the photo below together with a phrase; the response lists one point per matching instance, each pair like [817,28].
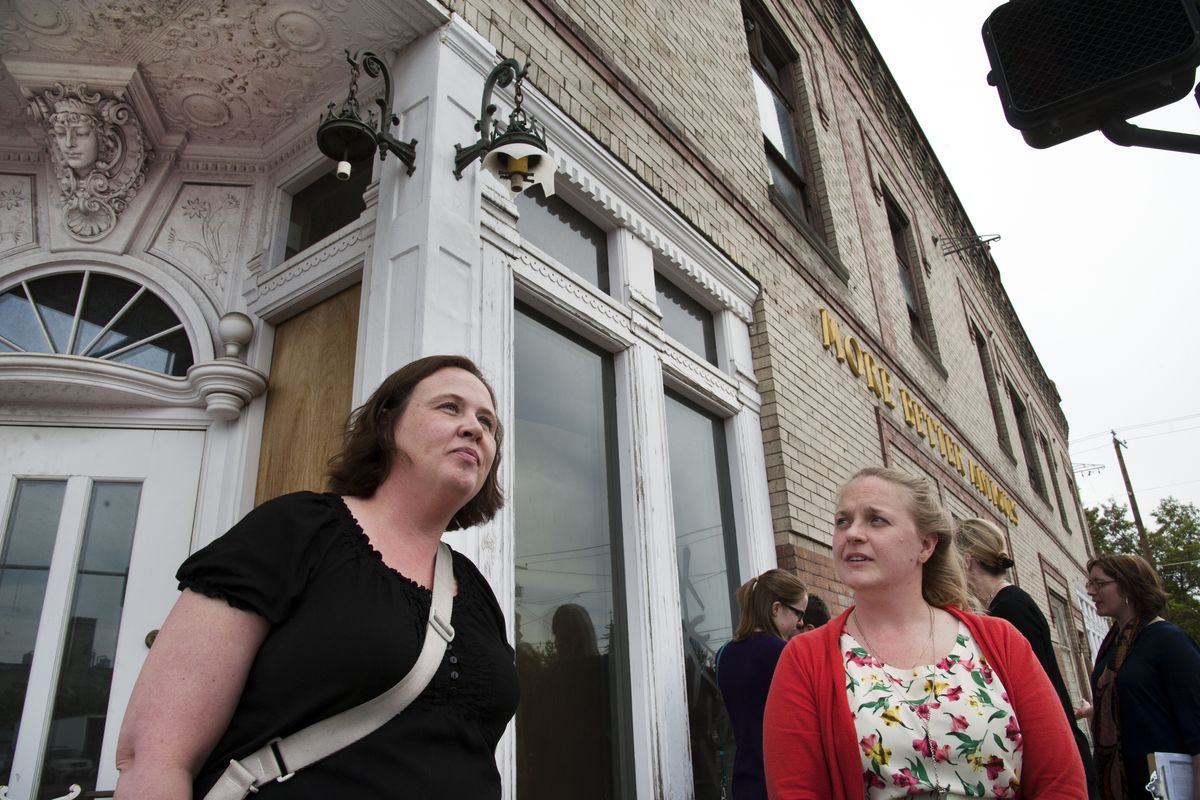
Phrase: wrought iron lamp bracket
[489,128]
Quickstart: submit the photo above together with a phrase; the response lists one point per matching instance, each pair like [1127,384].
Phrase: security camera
[343,170]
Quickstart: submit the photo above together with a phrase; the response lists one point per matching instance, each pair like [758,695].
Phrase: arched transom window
[97,315]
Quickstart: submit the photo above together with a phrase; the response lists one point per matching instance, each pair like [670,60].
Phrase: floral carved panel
[204,231]
[16,212]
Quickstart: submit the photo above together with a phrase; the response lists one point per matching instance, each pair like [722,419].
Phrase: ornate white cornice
[274,290]
[582,305]
[222,386]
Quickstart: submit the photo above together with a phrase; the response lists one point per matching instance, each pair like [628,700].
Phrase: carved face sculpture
[78,140]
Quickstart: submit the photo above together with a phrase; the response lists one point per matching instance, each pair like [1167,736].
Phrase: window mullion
[83,291]
[37,314]
[115,319]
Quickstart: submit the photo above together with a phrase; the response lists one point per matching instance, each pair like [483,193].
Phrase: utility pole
[1137,517]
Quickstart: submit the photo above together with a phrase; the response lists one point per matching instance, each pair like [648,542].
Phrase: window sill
[928,352]
[810,235]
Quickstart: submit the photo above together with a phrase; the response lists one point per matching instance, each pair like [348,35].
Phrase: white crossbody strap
[280,759]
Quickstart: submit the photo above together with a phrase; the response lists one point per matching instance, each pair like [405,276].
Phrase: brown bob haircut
[369,448]
[1136,579]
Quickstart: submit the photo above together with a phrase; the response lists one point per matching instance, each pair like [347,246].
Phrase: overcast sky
[1098,250]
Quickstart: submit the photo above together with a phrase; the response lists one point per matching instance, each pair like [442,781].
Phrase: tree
[1174,543]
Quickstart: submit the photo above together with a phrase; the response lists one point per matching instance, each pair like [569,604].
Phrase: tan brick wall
[667,90]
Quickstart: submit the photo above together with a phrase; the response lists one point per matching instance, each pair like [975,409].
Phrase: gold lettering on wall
[863,364]
[860,362]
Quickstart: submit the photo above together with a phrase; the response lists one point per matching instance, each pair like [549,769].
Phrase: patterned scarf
[1106,715]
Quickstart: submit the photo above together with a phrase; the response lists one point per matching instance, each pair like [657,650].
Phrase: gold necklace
[873,651]
[941,792]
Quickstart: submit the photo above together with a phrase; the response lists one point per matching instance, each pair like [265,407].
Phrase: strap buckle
[443,628]
[242,777]
[284,775]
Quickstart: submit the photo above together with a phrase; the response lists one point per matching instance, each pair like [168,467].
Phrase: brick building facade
[742,292]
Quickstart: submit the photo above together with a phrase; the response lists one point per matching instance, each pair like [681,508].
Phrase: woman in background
[1145,691]
[905,693]
[816,613]
[987,562]
[771,611]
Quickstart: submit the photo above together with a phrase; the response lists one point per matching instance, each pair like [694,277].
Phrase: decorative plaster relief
[98,151]
[16,212]
[238,71]
[204,231]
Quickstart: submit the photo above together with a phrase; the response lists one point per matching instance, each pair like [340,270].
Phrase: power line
[1134,427]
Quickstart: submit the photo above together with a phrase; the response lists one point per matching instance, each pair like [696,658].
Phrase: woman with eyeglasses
[986,562]
[1145,691]
[771,611]
[906,694]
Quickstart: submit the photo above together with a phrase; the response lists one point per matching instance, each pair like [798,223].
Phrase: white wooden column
[423,284]
[747,460]
[656,658]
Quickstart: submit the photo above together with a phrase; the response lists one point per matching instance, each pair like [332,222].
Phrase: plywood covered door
[309,395]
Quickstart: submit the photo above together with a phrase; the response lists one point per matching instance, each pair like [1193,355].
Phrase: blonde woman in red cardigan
[905,694]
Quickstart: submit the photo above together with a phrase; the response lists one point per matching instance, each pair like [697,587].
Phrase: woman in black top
[314,603]
[1146,697]
[986,561]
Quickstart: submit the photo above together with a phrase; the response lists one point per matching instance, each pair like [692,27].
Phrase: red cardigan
[810,745]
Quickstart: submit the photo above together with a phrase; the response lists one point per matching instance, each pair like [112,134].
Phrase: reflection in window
[96,315]
[566,235]
[705,544]
[24,567]
[569,623]
[686,320]
[86,670]
[1068,663]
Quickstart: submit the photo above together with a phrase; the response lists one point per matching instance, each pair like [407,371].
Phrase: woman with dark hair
[771,610]
[315,603]
[986,562]
[906,693]
[1145,693]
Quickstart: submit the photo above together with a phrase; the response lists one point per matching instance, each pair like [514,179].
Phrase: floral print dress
[948,724]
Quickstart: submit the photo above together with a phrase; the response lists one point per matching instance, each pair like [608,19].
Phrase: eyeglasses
[1096,585]
[799,612]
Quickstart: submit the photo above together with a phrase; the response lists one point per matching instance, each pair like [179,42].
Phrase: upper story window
[773,69]
[323,207]
[96,315]
[989,380]
[1025,430]
[911,285]
[1052,468]
[566,235]
[686,320]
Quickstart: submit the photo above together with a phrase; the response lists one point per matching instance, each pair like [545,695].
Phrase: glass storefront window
[686,320]
[566,235]
[705,546]
[569,621]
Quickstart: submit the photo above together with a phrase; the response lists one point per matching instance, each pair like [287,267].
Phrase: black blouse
[345,627]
